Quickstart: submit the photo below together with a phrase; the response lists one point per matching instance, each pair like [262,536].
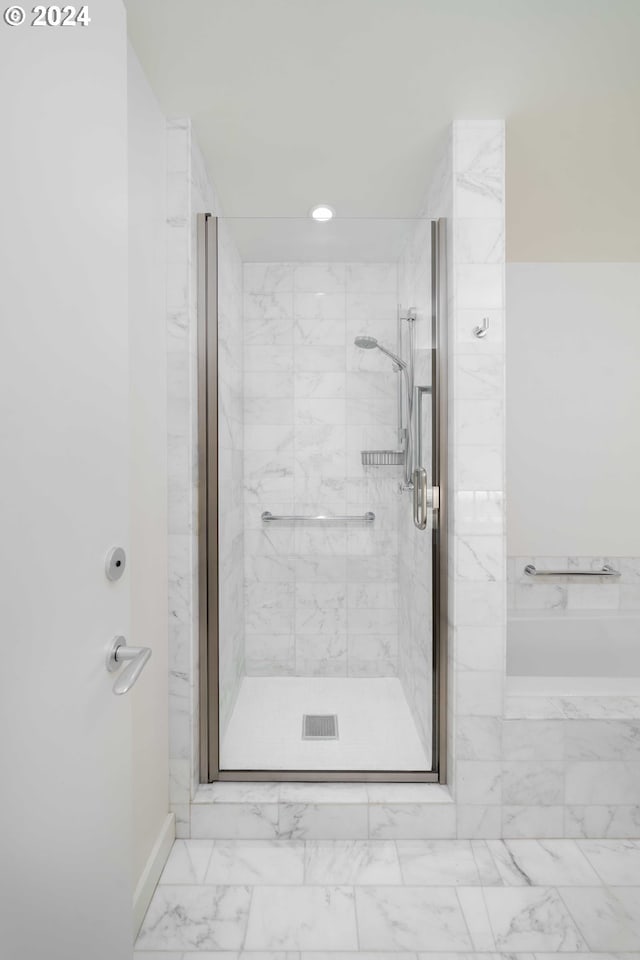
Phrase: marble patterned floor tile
[617,862]
[256,955]
[544,863]
[196,918]
[477,956]
[609,919]
[408,793]
[411,820]
[583,956]
[232,792]
[225,955]
[256,863]
[475,913]
[323,821]
[410,918]
[526,919]
[302,918]
[323,793]
[360,955]
[438,863]
[487,869]
[245,821]
[159,955]
[187,862]
[215,955]
[361,862]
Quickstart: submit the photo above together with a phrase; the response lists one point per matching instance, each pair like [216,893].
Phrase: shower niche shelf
[382,458]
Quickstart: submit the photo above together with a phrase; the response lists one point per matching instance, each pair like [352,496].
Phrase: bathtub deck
[572,698]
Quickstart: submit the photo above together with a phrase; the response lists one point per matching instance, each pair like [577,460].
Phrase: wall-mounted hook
[481,330]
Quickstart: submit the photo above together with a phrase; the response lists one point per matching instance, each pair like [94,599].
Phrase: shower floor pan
[376,730]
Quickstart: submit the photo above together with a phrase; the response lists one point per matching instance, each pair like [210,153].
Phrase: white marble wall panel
[320,601]
[182,491]
[573,777]
[189,192]
[569,593]
[471,195]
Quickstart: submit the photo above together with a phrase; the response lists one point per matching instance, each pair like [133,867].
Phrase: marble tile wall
[469,191]
[567,594]
[182,475]
[477,549]
[319,601]
[571,767]
[189,192]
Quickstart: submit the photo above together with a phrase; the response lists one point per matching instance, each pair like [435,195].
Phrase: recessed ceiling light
[322,213]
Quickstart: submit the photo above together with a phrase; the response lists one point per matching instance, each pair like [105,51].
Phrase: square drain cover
[320,726]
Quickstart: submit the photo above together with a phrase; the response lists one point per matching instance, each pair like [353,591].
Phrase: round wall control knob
[115,563]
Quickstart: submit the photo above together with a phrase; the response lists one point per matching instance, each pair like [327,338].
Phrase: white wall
[573,409]
[148,458]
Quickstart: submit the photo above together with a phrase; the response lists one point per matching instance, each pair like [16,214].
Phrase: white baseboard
[151,873]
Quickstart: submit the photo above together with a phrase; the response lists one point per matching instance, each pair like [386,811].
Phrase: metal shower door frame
[208,547]
[208,508]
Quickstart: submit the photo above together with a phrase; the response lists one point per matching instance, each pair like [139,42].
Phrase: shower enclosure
[322,524]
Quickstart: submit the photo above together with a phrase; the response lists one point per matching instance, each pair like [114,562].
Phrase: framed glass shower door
[320,360]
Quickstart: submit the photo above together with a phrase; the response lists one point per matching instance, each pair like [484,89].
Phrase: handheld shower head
[368,343]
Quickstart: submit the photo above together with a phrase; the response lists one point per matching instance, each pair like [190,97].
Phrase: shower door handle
[135,657]
[420,498]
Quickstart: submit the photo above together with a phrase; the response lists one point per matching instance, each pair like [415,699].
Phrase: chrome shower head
[368,343]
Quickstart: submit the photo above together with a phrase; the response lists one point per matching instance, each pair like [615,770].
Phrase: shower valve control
[115,563]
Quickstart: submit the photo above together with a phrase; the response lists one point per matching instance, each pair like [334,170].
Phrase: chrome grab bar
[605,571]
[119,653]
[269,517]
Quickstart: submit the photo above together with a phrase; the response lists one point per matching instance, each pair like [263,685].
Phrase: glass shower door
[318,641]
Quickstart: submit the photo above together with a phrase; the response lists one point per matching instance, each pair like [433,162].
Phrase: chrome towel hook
[481,331]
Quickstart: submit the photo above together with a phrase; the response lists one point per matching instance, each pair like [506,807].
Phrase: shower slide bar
[268,517]
[605,571]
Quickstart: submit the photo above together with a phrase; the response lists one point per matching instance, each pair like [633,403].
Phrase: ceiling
[285,239]
[296,102]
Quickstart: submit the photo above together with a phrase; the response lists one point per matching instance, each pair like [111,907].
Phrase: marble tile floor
[375,726]
[388,900]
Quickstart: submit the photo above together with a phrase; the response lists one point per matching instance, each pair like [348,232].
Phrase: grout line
[464,917]
[403,881]
[356,919]
[246,929]
[558,891]
[484,900]
[210,857]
